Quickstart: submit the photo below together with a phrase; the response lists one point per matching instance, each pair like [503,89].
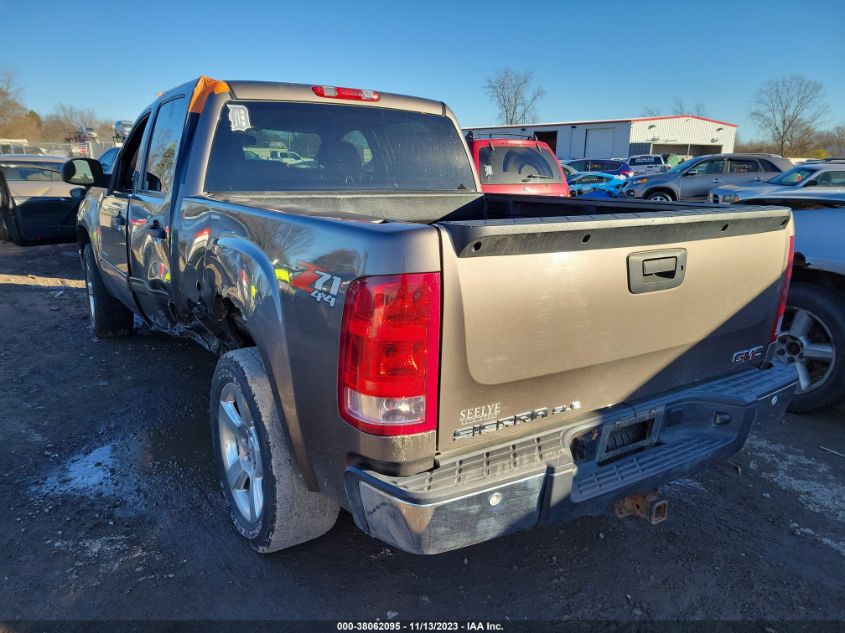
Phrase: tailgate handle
[663,267]
[656,270]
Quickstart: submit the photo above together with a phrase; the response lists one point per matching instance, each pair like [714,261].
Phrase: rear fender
[238,274]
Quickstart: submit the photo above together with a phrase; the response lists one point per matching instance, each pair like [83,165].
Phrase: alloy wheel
[805,341]
[240,453]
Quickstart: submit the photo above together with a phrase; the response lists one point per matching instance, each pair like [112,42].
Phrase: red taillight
[390,354]
[355,94]
[627,173]
[784,291]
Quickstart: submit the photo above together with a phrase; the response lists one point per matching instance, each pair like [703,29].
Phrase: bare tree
[12,111]
[511,91]
[788,110]
[65,120]
[679,106]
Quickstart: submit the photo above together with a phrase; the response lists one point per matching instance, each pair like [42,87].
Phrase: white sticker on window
[239,118]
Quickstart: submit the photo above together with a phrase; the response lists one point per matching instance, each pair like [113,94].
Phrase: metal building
[685,135]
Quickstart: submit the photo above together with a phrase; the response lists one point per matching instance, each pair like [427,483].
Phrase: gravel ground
[110,509]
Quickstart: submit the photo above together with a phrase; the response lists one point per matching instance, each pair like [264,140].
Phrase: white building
[686,135]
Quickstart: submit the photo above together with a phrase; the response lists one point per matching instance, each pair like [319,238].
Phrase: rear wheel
[660,196]
[812,338]
[269,503]
[109,317]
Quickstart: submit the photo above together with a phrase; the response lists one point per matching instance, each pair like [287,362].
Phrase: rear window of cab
[504,165]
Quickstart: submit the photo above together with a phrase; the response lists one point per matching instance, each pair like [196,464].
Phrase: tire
[251,444]
[813,338]
[660,196]
[109,317]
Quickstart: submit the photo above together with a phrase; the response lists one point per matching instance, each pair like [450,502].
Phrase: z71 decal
[321,285]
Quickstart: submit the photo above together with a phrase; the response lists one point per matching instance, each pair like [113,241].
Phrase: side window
[32,174]
[127,159]
[164,145]
[831,179]
[738,166]
[716,166]
[769,166]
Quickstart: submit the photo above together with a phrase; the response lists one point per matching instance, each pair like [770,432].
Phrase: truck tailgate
[548,319]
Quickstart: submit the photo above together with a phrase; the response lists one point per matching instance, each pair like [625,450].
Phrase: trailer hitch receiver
[645,505]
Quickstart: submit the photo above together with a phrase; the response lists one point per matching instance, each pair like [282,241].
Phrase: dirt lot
[110,508]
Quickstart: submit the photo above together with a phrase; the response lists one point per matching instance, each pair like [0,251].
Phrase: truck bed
[547,311]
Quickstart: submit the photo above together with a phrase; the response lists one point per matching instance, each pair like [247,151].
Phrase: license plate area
[619,439]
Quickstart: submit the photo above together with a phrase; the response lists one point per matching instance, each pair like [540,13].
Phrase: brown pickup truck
[447,366]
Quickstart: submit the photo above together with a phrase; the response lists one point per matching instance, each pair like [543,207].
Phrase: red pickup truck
[517,166]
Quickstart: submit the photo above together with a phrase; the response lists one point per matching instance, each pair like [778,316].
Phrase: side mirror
[85,172]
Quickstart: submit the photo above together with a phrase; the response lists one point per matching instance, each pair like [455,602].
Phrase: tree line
[790,111]
[19,122]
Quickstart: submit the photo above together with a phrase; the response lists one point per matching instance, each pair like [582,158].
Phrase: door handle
[757,179]
[156,230]
[717,180]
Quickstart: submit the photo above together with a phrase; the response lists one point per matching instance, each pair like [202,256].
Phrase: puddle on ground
[169,458]
[95,475]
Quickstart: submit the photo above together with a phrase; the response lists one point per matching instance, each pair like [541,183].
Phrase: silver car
[824,173]
[693,179]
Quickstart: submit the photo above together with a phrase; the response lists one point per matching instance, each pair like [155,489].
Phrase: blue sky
[595,60]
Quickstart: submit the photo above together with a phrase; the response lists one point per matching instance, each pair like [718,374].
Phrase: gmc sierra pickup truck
[447,366]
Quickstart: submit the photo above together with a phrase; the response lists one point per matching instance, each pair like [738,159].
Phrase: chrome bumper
[537,480]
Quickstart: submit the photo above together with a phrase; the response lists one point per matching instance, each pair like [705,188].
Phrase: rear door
[149,213]
[742,171]
[699,179]
[545,322]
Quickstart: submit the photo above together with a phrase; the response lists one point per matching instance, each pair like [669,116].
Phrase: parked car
[394,342]
[647,164]
[812,336]
[520,166]
[694,178]
[121,130]
[567,169]
[41,207]
[827,173]
[583,183]
[603,165]
[86,134]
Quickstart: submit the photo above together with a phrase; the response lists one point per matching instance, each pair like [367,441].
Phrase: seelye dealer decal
[503,423]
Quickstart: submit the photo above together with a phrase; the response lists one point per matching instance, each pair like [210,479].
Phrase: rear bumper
[537,480]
